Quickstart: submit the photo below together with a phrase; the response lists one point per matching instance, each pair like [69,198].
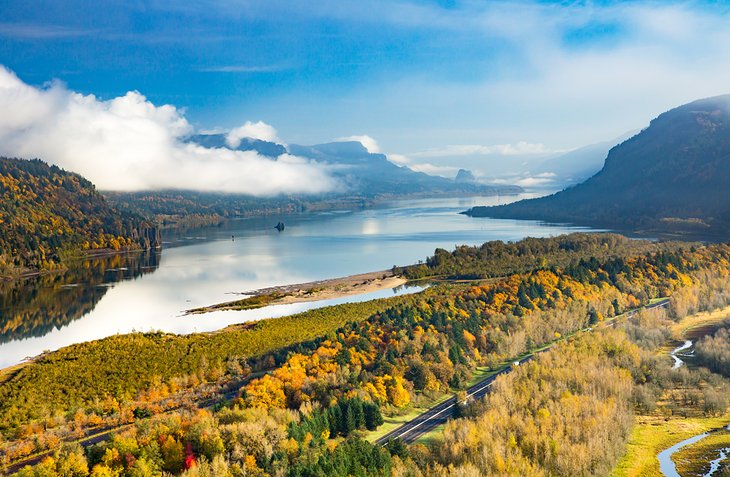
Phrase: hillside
[372,174]
[49,215]
[576,166]
[364,178]
[671,177]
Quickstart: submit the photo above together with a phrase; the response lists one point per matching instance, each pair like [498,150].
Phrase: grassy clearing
[697,324]
[7,373]
[432,437]
[249,303]
[695,459]
[480,373]
[393,422]
[653,434]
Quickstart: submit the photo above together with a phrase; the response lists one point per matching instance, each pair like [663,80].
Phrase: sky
[436,85]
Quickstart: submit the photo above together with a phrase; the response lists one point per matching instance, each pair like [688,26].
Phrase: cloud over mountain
[129,143]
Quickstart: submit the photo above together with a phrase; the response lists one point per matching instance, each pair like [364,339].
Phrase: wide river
[209,265]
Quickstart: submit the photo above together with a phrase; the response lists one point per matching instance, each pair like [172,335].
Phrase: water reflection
[37,305]
[207,265]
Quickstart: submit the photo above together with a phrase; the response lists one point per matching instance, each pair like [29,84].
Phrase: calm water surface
[204,266]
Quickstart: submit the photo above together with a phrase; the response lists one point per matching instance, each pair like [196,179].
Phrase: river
[677,361]
[666,464]
[149,291]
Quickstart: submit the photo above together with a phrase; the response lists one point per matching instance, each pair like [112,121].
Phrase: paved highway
[408,432]
[439,414]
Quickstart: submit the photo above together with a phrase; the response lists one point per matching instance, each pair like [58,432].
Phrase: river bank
[308,292]
[658,434]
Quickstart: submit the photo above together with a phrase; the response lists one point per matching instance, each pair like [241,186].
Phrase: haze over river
[209,265]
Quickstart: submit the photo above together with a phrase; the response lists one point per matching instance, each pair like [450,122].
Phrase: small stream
[715,464]
[666,464]
[678,362]
[669,469]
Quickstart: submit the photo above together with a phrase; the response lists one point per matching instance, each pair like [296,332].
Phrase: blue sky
[432,82]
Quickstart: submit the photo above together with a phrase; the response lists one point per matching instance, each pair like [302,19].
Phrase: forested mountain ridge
[672,176]
[49,214]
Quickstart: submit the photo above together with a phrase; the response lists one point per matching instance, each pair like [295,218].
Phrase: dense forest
[301,405]
[497,258]
[672,176]
[48,215]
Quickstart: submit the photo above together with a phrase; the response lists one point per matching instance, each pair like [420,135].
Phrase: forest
[349,365]
[498,259]
[48,215]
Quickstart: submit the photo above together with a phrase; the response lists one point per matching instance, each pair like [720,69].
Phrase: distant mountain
[365,178]
[373,174]
[265,148]
[360,171]
[464,176]
[578,165]
[48,214]
[672,176]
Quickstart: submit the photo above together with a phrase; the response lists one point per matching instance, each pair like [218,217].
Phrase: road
[440,413]
[100,435]
[408,432]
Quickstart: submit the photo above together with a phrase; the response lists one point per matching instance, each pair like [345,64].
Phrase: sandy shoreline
[310,291]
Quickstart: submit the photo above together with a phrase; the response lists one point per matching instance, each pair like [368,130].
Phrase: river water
[666,464]
[208,265]
[677,361]
[669,468]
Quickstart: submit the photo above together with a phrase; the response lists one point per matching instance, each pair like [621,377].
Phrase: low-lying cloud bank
[127,143]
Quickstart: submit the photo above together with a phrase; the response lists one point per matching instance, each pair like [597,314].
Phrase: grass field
[695,459]
[654,433]
[393,422]
[690,327]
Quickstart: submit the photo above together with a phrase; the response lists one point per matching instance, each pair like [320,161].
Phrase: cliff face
[673,175]
[48,215]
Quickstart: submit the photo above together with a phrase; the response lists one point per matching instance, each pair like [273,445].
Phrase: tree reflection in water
[35,306]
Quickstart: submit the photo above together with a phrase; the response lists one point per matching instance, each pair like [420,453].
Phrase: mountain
[578,165]
[359,171]
[265,148]
[672,176]
[373,174]
[365,178]
[464,176]
[49,215]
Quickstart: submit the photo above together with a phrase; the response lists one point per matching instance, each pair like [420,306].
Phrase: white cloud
[399,159]
[128,143]
[425,167]
[518,149]
[258,130]
[368,142]
[537,181]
